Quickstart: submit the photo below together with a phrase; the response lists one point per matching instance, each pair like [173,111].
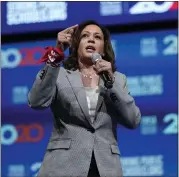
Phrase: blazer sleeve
[44,87]
[128,113]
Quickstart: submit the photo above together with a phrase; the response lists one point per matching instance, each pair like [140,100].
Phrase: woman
[83,141]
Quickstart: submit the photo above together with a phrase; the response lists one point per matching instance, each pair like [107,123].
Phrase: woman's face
[91,40]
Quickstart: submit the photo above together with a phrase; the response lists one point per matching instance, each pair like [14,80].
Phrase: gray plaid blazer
[74,137]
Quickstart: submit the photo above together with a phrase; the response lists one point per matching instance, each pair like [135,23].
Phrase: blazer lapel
[101,96]
[79,91]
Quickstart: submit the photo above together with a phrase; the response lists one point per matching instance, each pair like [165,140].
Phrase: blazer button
[113,97]
[92,130]
[42,74]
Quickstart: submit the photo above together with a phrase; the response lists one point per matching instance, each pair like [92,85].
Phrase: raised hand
[64,37]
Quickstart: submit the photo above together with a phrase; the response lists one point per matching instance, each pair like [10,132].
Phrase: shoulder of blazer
[120,77]
[63,72]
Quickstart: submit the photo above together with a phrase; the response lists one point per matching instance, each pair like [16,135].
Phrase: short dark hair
[71,63]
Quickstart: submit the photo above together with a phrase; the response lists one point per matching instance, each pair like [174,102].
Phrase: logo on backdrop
[149,46]
[152,7]
[23,169]
[149,124]
[13,57]
[19,94]
[35,12]
[146,165]
[29,133]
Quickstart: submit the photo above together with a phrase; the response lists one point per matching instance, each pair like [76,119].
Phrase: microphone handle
[108,83]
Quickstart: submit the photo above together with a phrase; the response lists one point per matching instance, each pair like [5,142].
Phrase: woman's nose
[91,39]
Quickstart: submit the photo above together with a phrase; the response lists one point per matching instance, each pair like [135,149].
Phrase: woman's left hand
[103,65]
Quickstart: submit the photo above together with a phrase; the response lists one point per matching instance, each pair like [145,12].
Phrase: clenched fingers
[62,37]
[102,65]
[70,30]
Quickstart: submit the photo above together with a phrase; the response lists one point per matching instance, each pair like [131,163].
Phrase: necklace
[89,75]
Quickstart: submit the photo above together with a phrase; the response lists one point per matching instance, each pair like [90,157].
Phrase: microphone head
[95,57]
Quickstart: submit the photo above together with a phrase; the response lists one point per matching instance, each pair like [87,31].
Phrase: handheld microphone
[108,83]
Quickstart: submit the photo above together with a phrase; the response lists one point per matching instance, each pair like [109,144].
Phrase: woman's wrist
[112,76]
[60,45]
[53,56]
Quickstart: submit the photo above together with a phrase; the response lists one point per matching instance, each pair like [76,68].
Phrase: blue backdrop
[149,60]
[46,16]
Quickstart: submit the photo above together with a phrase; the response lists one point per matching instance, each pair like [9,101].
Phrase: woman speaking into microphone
[86,111]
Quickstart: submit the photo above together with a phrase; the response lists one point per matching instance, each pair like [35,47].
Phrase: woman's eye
[84,35]
[98,37]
